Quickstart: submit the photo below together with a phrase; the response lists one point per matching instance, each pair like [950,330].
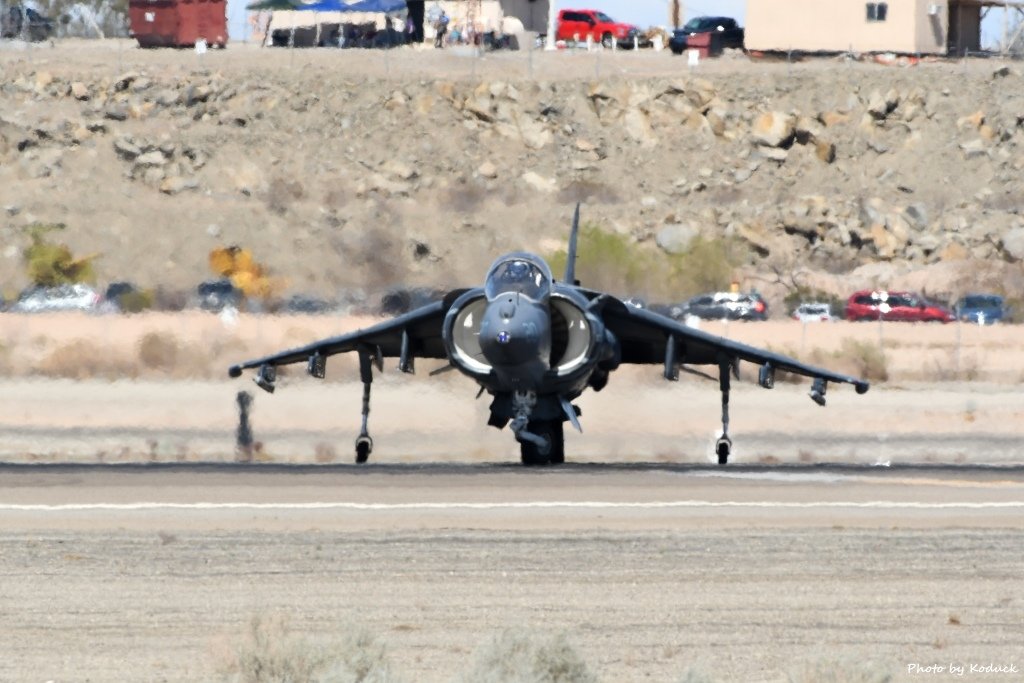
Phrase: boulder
[676,238]
[1013,244]
[773,129]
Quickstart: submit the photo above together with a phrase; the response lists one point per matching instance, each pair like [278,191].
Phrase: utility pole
[549,44]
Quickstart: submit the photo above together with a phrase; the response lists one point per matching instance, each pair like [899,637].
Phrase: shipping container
[178,23]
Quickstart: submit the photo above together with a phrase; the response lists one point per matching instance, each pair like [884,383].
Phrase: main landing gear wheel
[364,446]
[554,451]
[723,447]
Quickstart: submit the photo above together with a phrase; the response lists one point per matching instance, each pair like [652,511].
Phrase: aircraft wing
[420,328]
[644,338]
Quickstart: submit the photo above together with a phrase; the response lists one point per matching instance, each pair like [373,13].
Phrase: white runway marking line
[593,505]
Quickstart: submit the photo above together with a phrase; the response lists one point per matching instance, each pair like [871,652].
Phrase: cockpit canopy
[522,273]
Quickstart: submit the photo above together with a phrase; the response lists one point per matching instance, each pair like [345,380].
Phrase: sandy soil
[741,594]
[184,411]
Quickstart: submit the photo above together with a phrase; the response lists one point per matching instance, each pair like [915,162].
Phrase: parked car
[729,32]
[895,306]
[984,309]
[727,306]
[813,312]
[24,22]
[306,305]
[76,297]
[216,295]
[398,301]
[578,24]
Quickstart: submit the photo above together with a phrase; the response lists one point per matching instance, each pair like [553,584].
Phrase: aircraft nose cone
[507,309]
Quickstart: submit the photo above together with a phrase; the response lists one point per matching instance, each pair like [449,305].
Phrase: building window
[877,11]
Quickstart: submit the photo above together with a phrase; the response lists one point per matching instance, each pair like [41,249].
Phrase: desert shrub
[840,671]
[706,266]
[270,653]
[83,359]
[165,299]
[281,193]
[514,657]
[136,301]
[614,262]
[51,264]
[464,198]
[158,352]
[860,358]
[693,675]
[588,191]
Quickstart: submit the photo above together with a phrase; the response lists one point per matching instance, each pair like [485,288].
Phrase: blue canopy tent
[386,6]
[389,37]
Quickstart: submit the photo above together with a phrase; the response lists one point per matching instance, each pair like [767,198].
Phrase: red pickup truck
[577,24]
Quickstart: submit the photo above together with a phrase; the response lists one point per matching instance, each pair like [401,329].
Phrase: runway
[743,573]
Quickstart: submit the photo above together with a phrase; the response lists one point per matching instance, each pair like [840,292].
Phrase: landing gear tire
[723,447]
[552,433]
[364,446]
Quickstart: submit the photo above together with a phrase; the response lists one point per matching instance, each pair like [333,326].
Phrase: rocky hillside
[829,175]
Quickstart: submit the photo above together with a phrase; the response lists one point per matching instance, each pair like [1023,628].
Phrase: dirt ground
[84,388]
[755,590]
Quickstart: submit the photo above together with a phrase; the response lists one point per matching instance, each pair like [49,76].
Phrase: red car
[902,306]
[577,24]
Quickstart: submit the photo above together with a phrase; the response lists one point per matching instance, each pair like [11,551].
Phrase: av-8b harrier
[535,344]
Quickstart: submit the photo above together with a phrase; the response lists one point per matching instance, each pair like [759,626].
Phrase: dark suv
[727,306]
[896,306]
[25,22]
[728,32]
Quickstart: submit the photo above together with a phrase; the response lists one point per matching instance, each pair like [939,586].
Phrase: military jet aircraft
[535,344]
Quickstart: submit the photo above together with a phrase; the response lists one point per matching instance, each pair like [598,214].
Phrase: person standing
[441,28]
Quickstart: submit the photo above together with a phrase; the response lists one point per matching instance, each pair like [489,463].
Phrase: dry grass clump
[841,671]
[161,353]
[862,359]
[515,657]
[270,653]
[83,359]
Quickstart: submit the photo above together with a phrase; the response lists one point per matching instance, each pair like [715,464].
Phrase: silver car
[77,297]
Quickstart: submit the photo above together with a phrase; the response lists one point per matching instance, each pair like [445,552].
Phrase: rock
[43,80]
[123,81]
[116,113]
[886,244]
[954,251]
[1013,244]
[540,183]
[176,184]
[773,129]
[638,128]
[917,216]
[487,170]
[400,170]
[154,158]
[676,238]
[79,91]
[880,106]
[832,118]
[973,149]
[773,154]
[826,151]
[971,122]
[126,148]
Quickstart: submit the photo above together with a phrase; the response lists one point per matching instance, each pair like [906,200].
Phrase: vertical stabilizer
[570,261]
